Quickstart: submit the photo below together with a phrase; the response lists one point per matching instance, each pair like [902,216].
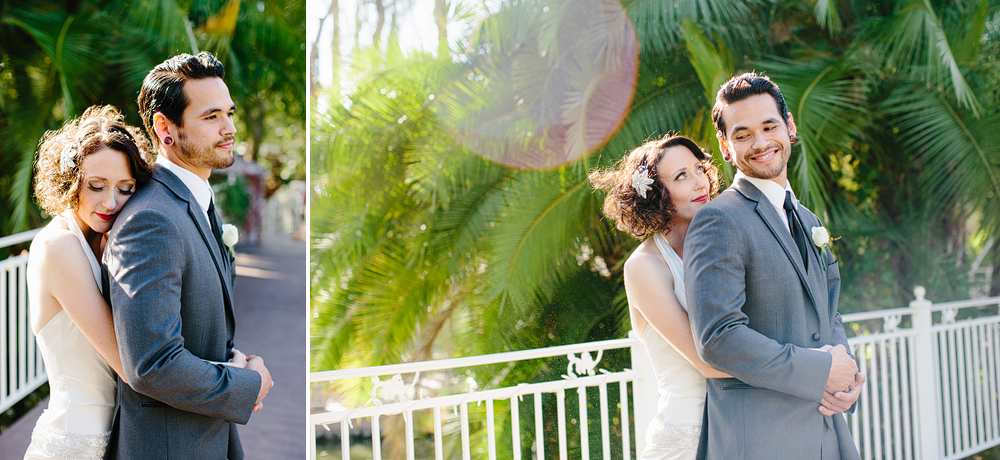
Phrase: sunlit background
[448,221]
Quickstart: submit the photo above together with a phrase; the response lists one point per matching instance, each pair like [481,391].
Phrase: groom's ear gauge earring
[169,140]
[791,138]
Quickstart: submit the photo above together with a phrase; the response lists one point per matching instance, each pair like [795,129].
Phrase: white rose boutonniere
[230,235]
[821,238]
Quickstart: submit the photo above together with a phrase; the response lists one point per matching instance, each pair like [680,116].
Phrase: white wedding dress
[674,432]
[77,423]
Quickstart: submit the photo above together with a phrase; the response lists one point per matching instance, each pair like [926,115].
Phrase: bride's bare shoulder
[54,244]
[646,259]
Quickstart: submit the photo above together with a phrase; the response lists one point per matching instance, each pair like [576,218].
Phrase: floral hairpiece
[68,156]
[641,180]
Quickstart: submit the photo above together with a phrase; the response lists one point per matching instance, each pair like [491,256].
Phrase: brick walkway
[271,296]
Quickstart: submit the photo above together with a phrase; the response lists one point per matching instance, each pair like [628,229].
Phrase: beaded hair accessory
[641,180]
[68,156]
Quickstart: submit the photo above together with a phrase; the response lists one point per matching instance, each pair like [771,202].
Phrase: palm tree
[418,238]
[841,96]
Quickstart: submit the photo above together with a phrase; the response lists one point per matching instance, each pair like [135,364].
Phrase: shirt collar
[772,191]
[199,187]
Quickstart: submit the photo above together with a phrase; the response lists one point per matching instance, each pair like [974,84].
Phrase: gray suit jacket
[754,312]
[170,290]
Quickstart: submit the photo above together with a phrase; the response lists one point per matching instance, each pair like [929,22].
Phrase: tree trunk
[377,36]
[334,46]
[255,123]
[441,19]
[314,61]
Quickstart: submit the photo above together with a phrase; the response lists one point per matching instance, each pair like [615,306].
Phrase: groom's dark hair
[163,88]
[742,87]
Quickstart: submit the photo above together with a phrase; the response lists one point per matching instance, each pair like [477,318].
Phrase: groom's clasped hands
[843,386]
[256,363]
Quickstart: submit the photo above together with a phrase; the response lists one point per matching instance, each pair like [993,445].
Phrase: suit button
[816,336]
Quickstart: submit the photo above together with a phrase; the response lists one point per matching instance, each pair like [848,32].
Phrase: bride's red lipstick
[701,199]
[105,217]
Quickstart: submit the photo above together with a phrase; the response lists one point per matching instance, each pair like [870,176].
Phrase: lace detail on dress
[53,443]
[675,435]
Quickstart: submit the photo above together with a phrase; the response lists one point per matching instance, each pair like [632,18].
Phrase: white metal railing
[931,393]
[21,368]
[451,418]
[932,389]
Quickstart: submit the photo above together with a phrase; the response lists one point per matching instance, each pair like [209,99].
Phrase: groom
[170,281]
[763,298]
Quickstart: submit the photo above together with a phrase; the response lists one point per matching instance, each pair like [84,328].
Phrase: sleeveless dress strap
[94,264]
[676,266]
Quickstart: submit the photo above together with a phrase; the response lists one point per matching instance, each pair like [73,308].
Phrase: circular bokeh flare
[545,82]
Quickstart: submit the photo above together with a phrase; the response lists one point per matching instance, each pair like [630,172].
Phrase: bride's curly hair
[641,217]
[58,172]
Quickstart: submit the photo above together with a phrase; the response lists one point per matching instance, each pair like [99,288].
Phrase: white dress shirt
[199,187]
[773,192]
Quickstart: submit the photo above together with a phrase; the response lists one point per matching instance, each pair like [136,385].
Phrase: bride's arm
[65,276]
[649,286]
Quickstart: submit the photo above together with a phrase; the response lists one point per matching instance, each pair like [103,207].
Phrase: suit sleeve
[833,284]
[145,283]
[715,257]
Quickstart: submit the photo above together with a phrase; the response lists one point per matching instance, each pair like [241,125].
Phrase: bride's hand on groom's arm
[841,401]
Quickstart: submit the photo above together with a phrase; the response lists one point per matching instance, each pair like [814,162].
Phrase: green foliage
[421,247]
[233,198]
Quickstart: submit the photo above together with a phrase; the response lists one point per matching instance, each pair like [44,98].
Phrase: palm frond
[957,151]
[659,25]
[665,100]
[828,16]
[529,245]
[167,19]
[915,38]
[969,46]
[711,63]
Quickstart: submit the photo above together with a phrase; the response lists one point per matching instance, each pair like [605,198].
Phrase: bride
[84,174]
[652,194]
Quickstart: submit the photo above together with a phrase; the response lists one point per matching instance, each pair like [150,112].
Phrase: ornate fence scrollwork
[891,323]
[584,364]
[392,390]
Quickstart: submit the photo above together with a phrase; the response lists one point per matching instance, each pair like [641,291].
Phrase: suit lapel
[172,182]
[773,222]
[817,277]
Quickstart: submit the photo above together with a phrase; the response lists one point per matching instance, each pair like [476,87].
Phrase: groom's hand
[842,371]
[834,403]
[256,363]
